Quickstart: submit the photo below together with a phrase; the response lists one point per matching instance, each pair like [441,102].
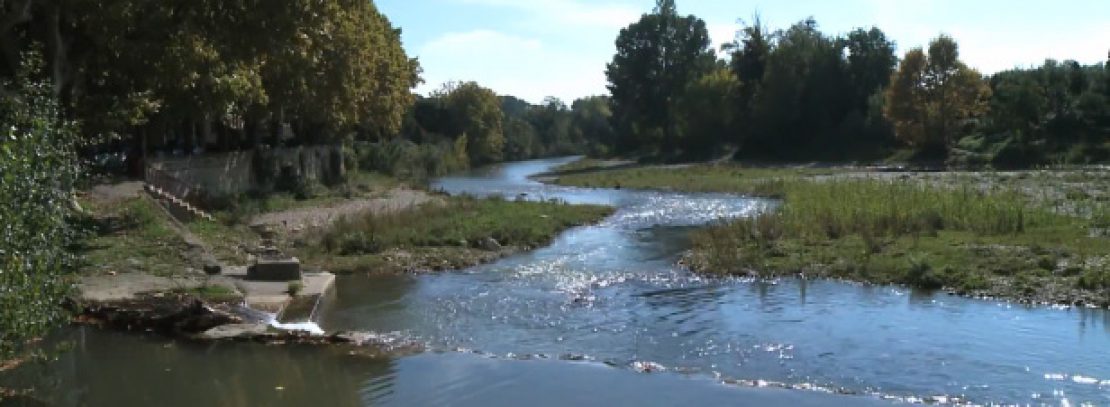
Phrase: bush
[1092,279]
[37,172]
[415,162]
[921,274]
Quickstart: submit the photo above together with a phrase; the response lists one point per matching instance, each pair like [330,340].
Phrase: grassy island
[451,233]
[1039,236]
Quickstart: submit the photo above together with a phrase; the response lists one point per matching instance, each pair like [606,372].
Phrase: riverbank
[137,254]
[1030,236]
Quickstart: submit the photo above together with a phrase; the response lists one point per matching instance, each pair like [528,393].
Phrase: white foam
[1055,376]
[309,327]
[1084,380]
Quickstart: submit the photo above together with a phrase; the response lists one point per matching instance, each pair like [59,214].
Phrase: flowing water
[610,298]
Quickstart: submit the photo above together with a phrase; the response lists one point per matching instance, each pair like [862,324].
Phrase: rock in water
[490,244]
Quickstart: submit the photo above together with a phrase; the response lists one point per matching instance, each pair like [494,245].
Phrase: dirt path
[297,220]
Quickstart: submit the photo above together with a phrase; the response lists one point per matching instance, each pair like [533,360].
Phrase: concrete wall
[222,174]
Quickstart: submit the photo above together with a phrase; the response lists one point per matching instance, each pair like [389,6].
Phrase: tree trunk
[19,13]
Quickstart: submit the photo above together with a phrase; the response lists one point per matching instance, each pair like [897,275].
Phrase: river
[599,304]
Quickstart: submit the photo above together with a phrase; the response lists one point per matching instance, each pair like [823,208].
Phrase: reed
[458,222]
[961,235]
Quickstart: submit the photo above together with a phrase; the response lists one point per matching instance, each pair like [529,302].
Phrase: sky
[538,48]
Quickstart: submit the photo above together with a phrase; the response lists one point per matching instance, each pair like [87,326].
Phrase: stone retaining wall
[227,174]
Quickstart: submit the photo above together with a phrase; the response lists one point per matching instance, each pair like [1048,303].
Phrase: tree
[475,112]
[750,51]
[803,97]
[657,58]
[1018,104]
[871,60]
[706,112]
[218,70]
[933,97]
[592,123]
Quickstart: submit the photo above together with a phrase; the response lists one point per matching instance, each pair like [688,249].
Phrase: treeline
[463,125]
[799,94]
[193,75]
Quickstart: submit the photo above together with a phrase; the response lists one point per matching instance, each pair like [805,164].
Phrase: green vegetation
[133,235]
[907,232]
[584,165]
[209,70]
[764,182]
[212,293]
[37,175]
[455,231]
[797,94]
[294,288]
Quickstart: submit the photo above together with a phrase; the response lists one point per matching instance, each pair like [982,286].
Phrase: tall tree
[657,58]
[932,97]
[706,113]
[475,112]
[750,51]
[803,97]
[871,59]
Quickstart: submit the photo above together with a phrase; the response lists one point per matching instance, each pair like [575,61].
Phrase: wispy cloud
[509,64]
[597,14]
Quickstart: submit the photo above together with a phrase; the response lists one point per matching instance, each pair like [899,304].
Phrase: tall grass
[885,208]
[765,182]
[458,222]
[862,216]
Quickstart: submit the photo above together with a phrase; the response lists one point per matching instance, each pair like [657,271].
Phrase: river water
[611,298]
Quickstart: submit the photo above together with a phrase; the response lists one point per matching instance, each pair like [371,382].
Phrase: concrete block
[270,269]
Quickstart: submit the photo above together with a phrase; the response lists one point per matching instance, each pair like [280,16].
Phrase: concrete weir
[299,300]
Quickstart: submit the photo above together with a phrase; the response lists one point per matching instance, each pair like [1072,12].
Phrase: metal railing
[191,194]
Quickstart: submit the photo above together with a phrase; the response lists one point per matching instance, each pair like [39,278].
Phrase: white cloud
[574,12]
[982,50]
[721,33]
[510,65]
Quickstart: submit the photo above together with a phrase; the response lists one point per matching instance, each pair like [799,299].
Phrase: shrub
[38,168]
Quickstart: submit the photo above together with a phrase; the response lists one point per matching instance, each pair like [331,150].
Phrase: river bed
[601,304]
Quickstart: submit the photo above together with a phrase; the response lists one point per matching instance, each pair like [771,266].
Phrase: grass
[132,236]
[225,239]
[230,232]
[908,232]
[237,209]
[214,293]
[447,234]
[767,182]
[584,164]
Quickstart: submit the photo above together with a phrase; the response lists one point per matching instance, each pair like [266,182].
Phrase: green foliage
[37,172]
[764,182]
[232,70]
[1095,279]
[933,97]
[294,288]
[657,58]
[133,235]
[706,113]
[1055,113]
[475,112]
[903,232]
[410,161]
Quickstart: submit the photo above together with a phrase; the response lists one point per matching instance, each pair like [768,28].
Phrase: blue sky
[538,48]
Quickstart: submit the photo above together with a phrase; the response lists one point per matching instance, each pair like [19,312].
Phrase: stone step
[178,202]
